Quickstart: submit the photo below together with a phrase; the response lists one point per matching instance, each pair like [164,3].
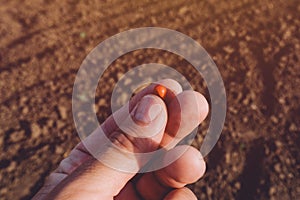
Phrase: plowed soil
[255,44]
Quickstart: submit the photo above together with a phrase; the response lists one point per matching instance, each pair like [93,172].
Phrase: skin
[81,176]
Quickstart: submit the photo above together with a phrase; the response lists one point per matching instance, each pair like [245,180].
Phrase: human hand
[81,176]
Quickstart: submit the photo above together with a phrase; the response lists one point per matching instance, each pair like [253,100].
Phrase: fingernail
[147,110]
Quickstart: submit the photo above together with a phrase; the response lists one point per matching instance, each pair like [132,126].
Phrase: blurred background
[255,45]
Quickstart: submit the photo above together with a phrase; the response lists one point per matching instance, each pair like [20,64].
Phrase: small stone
[233,110]
[1,141]
[17,136]
[272,190]
[277,168]
[237,185]
[67,153]
[60,124]
[209,191]
[82,34]
[235,169]
[293,127]
[127,81]
[102,102]
[50,123]
[122,99]
[15,148]
[282,176]
[232,32]
[119,75]
[248,38]
[153,20]
[227,157]
[290,175]
[63,112]
[82,98]
[228,49]
[267,151]
[278,144]
[183,10]
[12,166]
[25,110]
[59,150]
[45,130]
[253,107]
[287,34]
[23,100]
[4,190]
[35,130]
[250,134]
[274,119]
[245,119]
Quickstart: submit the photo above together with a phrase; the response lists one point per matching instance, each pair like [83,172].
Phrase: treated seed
[161,91]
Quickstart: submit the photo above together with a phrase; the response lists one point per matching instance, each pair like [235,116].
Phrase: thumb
[121,153]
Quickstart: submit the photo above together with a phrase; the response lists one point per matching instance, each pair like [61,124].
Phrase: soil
[255,44]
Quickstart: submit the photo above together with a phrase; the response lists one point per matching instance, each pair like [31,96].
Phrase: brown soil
[254,43]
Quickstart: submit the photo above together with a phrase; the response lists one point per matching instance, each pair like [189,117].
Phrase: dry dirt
[254,43]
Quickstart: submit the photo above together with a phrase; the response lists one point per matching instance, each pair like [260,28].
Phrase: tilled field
[254,43]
